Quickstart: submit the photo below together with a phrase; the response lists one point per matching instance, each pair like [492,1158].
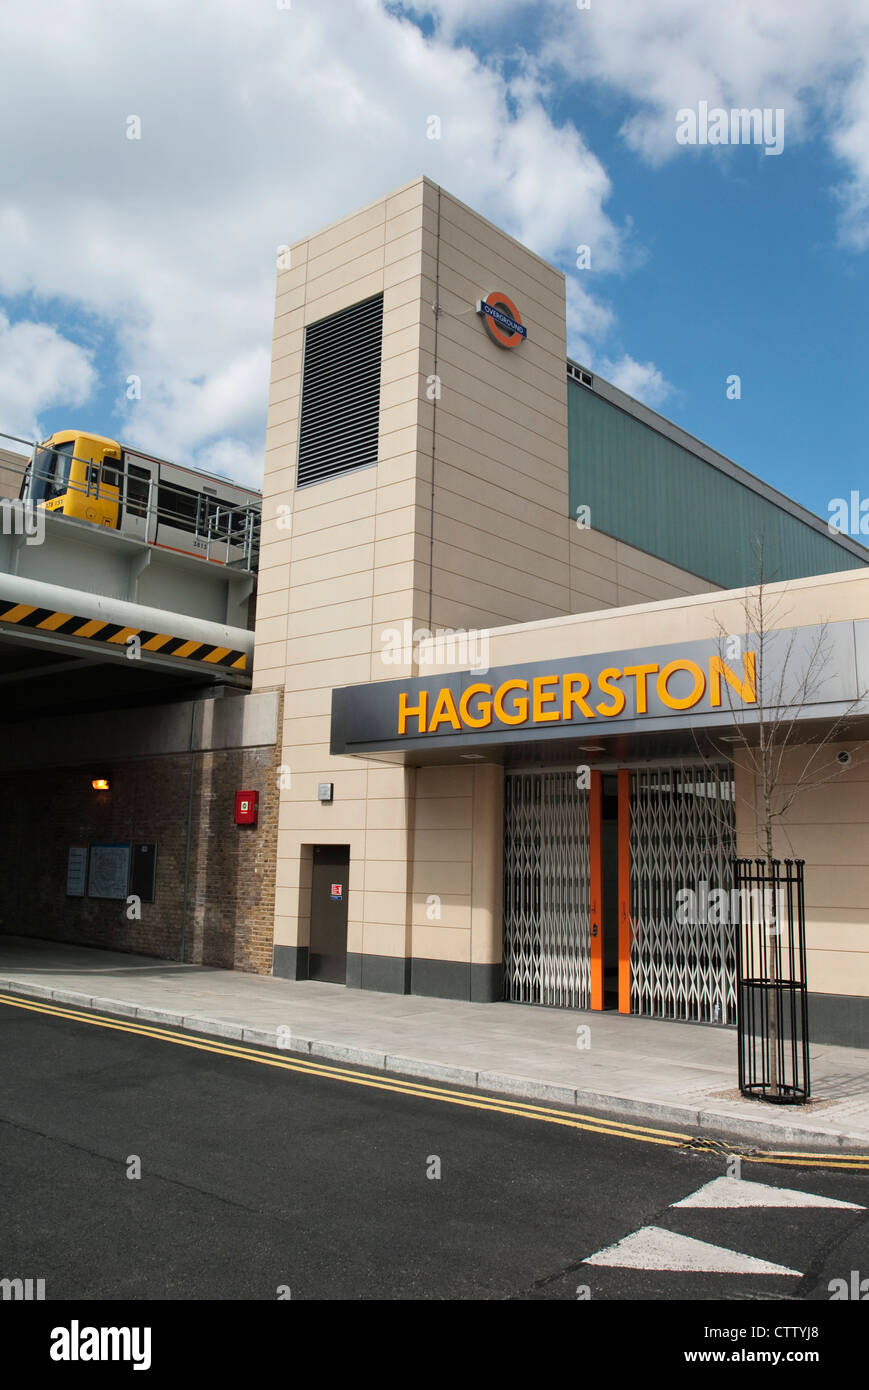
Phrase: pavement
[674,1073]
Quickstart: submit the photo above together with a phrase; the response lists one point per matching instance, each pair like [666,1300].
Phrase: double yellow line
[594,1124]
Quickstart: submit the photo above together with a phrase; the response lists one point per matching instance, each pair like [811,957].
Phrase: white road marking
[654,1248]
[734,1192]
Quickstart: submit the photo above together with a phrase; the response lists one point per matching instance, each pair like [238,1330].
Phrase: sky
[724,285]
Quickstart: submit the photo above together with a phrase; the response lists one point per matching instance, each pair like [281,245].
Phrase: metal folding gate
[682,941]
[546,890]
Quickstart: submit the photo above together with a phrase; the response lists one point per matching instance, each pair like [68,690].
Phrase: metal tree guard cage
[772,1013]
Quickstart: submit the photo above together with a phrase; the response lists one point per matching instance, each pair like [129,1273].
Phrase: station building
[508,679]
[512,616]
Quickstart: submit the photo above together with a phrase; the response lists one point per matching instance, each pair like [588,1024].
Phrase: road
[260,1181]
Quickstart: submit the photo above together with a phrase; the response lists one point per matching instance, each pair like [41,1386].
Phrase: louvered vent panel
[341,392]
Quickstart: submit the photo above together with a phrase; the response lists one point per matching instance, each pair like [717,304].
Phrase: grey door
[328,952]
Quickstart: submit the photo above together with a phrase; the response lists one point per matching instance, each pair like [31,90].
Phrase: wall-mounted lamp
[100,784]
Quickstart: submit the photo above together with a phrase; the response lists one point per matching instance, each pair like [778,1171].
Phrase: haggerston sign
[816,670]
[560,698]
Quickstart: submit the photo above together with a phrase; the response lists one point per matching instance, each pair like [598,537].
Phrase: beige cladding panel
[495,405]
[464,227]
[349,563]
[456,486]
[331,564]
[823,598]
[828,826]
[487,865]
[839,972]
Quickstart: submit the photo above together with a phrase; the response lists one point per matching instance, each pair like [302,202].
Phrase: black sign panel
[676,685]
[143,872]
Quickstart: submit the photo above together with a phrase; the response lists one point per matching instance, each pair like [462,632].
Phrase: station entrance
[607,884]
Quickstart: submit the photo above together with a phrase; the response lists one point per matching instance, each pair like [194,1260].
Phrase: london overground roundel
[501,319]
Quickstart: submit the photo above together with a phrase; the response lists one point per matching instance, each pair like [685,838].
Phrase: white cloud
[810,58]
[640,379]
[206,419]
[258,126]
[232,458]
[588,322]
[261,124]
[39,368]
[457,16]
[850,141]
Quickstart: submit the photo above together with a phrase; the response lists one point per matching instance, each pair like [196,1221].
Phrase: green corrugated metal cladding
[647,490]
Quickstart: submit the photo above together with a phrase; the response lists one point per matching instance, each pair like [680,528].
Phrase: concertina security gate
[682,836]
[546,890]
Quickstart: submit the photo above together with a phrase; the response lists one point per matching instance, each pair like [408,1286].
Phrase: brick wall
[231,883]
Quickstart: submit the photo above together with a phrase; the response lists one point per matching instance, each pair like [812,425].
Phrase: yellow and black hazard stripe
[115,635]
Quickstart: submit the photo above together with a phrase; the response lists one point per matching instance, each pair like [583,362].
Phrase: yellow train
[93,479]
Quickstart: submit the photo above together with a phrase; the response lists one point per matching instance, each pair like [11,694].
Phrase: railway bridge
[90,617]
[128,732]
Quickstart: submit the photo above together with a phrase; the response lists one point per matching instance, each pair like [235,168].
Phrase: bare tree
[788,673]
[789,677]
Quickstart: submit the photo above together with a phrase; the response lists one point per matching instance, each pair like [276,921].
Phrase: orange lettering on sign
[542,697]
[483,717]
[549,699]
[406,711]
[682,701]
[445,711]
[520,704]
[746,689]
[605,683]
[640,673]
[576,697]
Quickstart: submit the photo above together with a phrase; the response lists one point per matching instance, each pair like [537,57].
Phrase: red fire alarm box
[246,807]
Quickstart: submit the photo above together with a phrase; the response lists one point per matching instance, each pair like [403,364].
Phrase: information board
[109,871]
[76,871]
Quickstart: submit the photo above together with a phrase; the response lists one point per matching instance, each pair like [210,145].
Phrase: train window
[138,488]
[51,472]
[178,507]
